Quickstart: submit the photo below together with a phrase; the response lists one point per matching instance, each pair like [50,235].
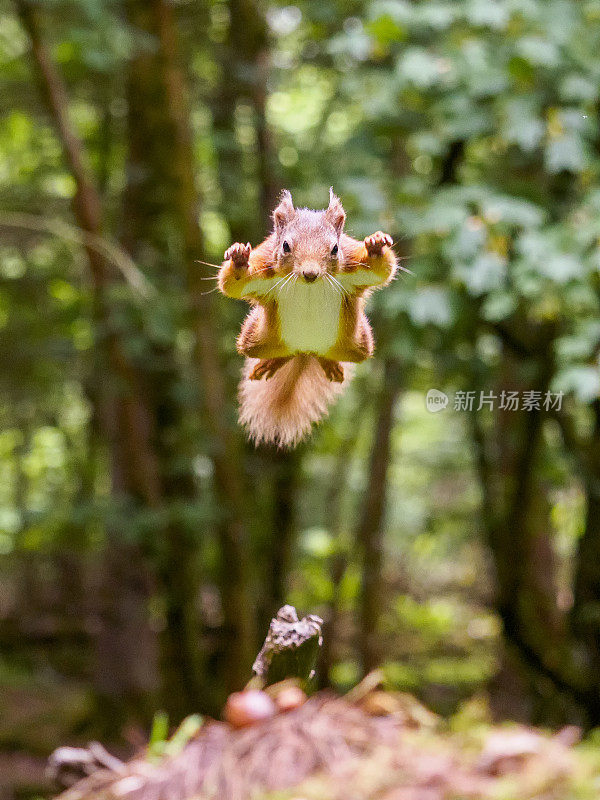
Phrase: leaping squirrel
[307,284]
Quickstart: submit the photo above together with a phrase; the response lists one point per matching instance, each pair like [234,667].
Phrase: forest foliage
[145,544]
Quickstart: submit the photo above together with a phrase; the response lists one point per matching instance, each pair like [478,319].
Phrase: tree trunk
[516,518]
[123,416]
[371,527]
[244,69]
[244,61]
[586,592]
[342,544]
[238,604]
[284,468]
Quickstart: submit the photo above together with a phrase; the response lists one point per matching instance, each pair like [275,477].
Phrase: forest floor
[368,746]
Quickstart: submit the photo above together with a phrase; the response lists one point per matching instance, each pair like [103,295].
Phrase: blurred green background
[144,545]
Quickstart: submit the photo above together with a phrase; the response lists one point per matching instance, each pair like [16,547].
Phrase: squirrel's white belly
[309,314]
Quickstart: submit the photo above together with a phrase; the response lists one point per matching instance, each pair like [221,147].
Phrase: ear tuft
[284,211]
[335,213]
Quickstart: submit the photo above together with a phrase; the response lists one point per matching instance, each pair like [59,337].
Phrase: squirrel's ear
[335,213]
[284,211]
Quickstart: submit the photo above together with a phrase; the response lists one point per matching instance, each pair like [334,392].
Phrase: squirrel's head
[308,242]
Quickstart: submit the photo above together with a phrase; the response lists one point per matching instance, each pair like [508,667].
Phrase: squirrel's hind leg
[267,367]
[259,337]
[333,370]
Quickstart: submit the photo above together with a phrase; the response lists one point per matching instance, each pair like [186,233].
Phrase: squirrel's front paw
[238,254]
[376,242]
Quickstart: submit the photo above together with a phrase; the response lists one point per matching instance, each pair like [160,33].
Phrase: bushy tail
[281,410]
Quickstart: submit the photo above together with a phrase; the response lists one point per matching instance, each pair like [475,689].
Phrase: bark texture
[370,537]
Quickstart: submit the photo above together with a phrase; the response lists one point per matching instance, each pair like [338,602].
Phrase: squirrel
[307,284]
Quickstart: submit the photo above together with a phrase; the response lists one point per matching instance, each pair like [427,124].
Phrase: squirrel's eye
[334,250]
[286,248]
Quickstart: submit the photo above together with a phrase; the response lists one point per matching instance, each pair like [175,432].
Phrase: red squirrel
[307,284]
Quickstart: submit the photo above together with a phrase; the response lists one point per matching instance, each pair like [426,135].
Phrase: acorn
[290,698]
[248,708]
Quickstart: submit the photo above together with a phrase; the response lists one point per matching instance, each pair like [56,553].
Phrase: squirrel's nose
[310,275]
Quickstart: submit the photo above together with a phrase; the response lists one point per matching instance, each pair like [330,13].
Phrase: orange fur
[282,409]
[292,372]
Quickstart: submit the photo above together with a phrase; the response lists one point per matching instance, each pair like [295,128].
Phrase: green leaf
[159,735]
[498,306]
[522,125]
[431,305]
[512,211]
[578,87]
[186,731]
[583,381]
[562,267]
[566,152]
[400,11]
[487,273]
[488,13]
[538,51]
[419,68]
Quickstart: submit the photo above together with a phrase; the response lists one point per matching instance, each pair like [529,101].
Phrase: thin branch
[55,96]
[71,233]
[515,344]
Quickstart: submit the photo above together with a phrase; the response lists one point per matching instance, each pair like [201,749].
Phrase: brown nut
[290,698]
[249,707]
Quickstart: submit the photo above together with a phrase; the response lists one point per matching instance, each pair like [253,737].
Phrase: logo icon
[436,401]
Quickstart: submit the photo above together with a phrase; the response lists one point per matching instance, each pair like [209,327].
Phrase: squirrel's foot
[376,242]
[332,369]
[238,254]
[267,367]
